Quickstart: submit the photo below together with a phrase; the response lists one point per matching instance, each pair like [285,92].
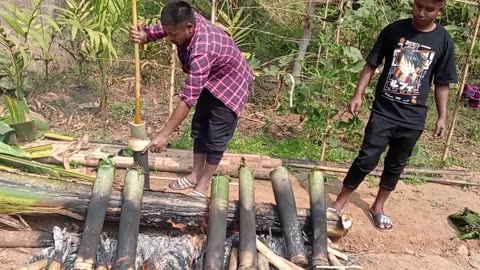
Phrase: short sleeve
[377,54]
[445,71]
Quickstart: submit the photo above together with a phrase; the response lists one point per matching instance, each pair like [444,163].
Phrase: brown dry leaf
[182,227]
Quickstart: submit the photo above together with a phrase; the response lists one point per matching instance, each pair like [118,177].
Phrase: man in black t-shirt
[417,51]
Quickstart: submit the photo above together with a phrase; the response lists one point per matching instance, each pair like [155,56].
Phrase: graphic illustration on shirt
[410,64]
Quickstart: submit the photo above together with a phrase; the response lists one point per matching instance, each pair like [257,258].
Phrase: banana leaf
[468,223]
[14,151]
[5,131]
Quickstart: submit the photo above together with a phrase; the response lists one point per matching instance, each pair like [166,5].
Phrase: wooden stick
[403,176]
[340,267]
[318,218]
[460,91]
[343,168]
[285,200]
[247,250]
[172,81]
[339,23]
[138,113]
[333,260]
[274,259]
[214,11]
[262,262]
[338,254]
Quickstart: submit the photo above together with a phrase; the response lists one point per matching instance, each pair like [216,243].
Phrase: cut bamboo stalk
[138,119]
[33,196]
[337,253]
[248,249]
[217,223]
[460,91]
[274,259]
[58,137]
[309,164]
[38,265]
[129,220]
[233,259]
[262,262]
[285,200]
[318,217]
[97,209]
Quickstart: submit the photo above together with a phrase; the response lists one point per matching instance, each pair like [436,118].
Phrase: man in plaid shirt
[218,83]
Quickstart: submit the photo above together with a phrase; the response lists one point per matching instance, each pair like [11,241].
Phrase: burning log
[28,195]
[319,218]
[217,223]
[285,199]
[130,220]
[97,209]
[248,249]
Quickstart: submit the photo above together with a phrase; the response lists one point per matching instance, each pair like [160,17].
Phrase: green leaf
[14,151]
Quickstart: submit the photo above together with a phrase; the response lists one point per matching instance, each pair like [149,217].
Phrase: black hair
[177,12]
[412,56]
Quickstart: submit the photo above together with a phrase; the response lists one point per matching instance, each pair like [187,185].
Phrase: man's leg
[401,147]
[199,133]
[221,127]
[377,136]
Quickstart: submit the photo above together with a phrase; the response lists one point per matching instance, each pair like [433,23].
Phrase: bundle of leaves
[468,223]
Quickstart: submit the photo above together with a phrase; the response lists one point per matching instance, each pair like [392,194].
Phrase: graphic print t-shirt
[413,60]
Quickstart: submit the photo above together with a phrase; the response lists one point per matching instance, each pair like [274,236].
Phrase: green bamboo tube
[318,218]
[287,212]
[248,247]
[129,221]
[217,223]
[97,210]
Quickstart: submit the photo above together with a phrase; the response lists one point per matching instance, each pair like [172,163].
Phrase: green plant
[33,30]
[91,26]
[16,111]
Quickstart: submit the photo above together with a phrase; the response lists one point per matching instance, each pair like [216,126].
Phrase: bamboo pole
[285,200]
[324,26]
[318,218]
[129,220]
[340,22]
[214,11]
[87,252]
[138,119]
[248,249]
[460,90]
[172,81]
[217,223]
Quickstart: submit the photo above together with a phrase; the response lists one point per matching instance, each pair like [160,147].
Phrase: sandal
[335,211]
[181,183]
[381,219]
[197,194]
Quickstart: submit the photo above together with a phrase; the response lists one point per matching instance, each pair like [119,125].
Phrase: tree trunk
[306,37]
[35,196]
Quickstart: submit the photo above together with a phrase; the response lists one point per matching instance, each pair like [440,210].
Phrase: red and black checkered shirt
[212,60]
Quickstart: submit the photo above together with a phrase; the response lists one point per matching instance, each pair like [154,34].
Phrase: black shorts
[213,123]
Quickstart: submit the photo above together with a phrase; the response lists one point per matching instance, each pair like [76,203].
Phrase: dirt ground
[422,237]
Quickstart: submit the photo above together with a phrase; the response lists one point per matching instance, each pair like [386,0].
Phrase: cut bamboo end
[138,131]
[83,265]
[137,145]
[217,223]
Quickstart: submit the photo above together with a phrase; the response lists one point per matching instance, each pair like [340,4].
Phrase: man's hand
[158,144]
[137,34]
[440,128]
[354,105]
